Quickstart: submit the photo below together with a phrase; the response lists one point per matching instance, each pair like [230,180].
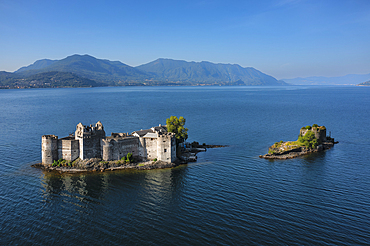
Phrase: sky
[282,38]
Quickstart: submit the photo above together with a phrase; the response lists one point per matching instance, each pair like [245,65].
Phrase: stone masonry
[90,142]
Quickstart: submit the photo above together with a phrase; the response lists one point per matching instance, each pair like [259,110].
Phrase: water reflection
[151,187]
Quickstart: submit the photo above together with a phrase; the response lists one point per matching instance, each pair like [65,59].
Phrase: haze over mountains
[88,71]
[349,79]
[159,72]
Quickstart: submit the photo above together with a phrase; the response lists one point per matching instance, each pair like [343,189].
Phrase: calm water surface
[229,197]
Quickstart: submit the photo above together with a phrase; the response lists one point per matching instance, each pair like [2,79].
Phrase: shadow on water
[313,158]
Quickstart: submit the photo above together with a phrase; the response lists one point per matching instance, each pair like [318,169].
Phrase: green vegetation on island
[310,139]
[176,125]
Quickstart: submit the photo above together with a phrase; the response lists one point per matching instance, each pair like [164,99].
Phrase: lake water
[229,197]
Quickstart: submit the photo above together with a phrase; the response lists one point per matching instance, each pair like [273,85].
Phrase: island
[311,139]
[89,149]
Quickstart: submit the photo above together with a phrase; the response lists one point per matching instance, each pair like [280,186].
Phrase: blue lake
[229,197]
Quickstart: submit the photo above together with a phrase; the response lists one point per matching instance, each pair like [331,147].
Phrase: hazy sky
[283,38]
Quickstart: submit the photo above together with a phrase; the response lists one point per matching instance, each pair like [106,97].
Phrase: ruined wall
[174,150]
[320,132]
[116,148]
[151,148]
[49,149]
[90,140]
[166,148]
[68,149]
[90,147]
[142,149]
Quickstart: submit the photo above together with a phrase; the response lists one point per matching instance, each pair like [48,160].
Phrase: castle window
[165,150]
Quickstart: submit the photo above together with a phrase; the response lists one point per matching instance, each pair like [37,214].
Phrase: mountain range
[87,70]
[349,79]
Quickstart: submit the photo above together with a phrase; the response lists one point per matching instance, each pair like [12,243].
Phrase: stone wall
[320,132]
[142,149]
[91,142]
[90,139]
[116,148]
[68,148]
[49,149]
[150,148]
[166,147]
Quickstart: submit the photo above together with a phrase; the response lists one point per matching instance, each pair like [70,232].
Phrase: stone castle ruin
[90,142]
[319,131]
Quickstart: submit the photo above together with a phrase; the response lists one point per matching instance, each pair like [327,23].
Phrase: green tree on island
[176,125]
[309,140]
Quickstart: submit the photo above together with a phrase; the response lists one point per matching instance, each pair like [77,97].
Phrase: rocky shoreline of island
[296,152]
[97,165]
[311,139]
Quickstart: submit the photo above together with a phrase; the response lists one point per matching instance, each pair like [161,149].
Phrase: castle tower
[49,149]
[107,154]
[90,140]
[166,147]
[320,132]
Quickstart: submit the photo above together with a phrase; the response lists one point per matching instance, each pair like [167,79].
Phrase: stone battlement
[50,137]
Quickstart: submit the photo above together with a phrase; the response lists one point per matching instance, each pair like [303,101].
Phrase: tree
[176,125]
[309,140]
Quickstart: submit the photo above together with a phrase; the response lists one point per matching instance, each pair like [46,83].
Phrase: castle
[319,131]
[91,142]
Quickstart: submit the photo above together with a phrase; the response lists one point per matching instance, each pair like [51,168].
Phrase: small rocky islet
[311,139]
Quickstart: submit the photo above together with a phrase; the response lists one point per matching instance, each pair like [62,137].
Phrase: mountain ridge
[206,72]
[162,71]
[53,79]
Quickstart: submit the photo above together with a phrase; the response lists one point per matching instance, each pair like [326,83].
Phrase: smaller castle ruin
[319,131]
[91,142]
[305,144]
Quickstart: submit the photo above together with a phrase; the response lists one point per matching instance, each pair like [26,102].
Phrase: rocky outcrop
[283,155]
[95,164]
[310,140]
[289,154]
